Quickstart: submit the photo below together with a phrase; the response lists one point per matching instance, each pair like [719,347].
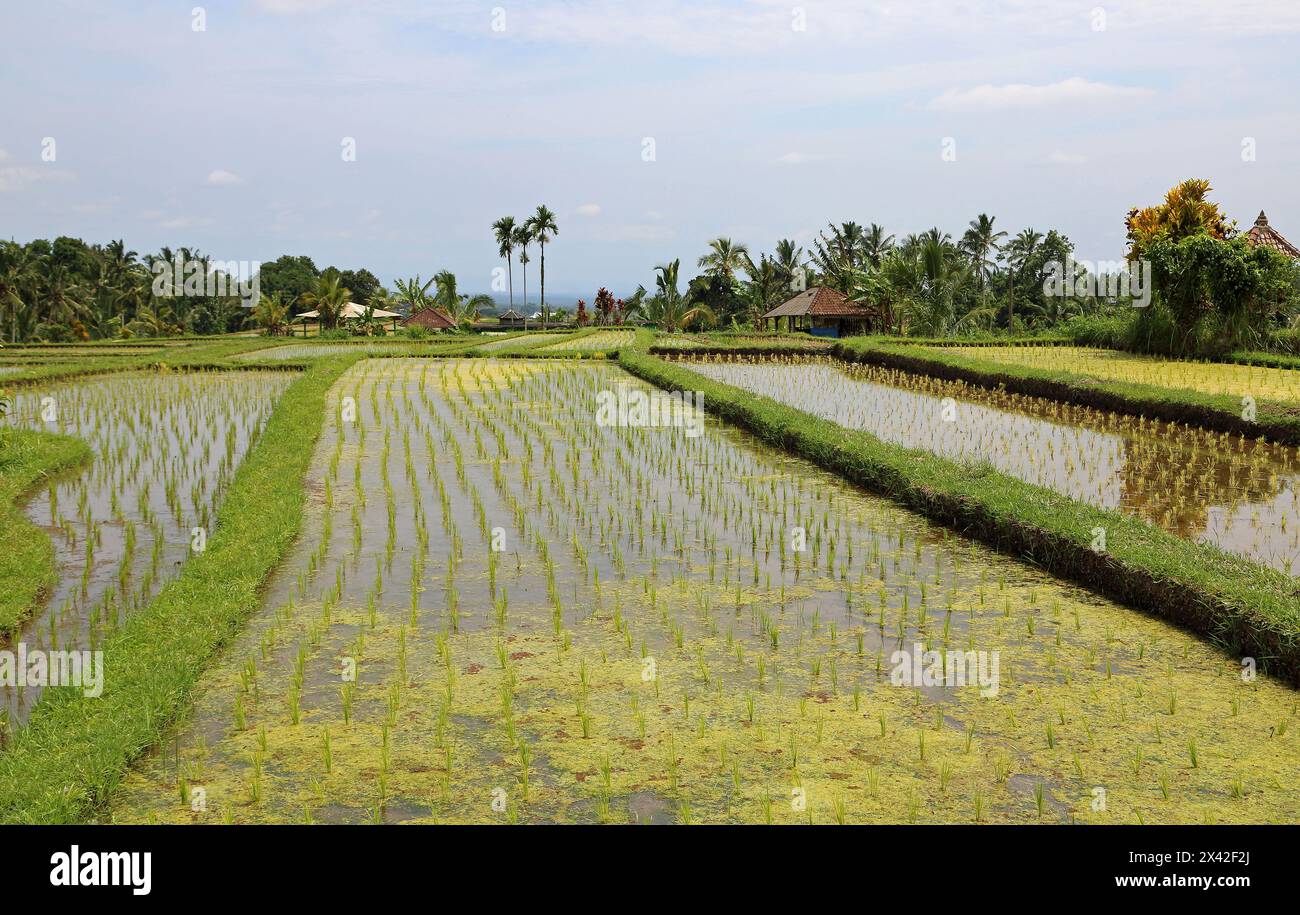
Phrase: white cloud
[223,178]
[589,209]
[1072,91]
[3,155]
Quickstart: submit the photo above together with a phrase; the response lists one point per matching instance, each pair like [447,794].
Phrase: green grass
[217,353]
[1245,608]
[1220,413]
[27,461]
[71,755]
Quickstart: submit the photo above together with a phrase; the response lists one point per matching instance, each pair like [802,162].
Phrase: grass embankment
[73,751]
[743,344]
[1245,608]
[1278,422]
[28,460]
[216,354]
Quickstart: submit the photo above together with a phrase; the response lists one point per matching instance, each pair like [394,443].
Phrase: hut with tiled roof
[1261,233]
[823,312]
[430,318]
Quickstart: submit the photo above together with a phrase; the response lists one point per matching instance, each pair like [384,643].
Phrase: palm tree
[17,273]
[271,314]
[876,245]
[472,306]
[63,296]
[980,242]
[413,293]
[724,258]
[328,297]
[668,309]
[542,227]
[504,230]
[523,236]
[767,282]
[838,255]
[1016,253]
[788,262]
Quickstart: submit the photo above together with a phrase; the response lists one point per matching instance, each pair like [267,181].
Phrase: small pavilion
[823,312]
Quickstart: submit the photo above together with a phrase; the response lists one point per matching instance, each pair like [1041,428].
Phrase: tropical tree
[980,242]
[523,236]
[789,264]
[1184,213]
[328,297]
[542,227]
[413,293]
[271,314]
[668,309]
[839,254]
[769,282]
[876,244]
[504,231]
[725,258]
[1017,254]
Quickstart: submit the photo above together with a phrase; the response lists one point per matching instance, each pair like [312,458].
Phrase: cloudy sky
[648,126]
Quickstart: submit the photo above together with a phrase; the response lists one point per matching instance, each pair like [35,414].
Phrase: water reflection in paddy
[1236,493]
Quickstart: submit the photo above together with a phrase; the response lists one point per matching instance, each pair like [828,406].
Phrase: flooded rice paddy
[297,351]
[503,610]
[1259,382]
[165,446]
[692,342]
[600,340]
[497,346]
[1238,494]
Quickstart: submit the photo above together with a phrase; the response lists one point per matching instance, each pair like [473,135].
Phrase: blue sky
[768,120]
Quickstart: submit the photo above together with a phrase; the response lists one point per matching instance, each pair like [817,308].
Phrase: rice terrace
[691,501]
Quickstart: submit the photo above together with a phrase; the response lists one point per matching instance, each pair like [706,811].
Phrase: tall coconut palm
[504,230]
[876,244]
[789,262]
[523,237]
[1016,253]
[981,242]
[725,257]
[542,227]
[17,274]
[62,295]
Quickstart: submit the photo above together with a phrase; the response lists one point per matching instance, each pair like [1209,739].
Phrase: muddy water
[1240,495]
[165,447]
[650,643]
